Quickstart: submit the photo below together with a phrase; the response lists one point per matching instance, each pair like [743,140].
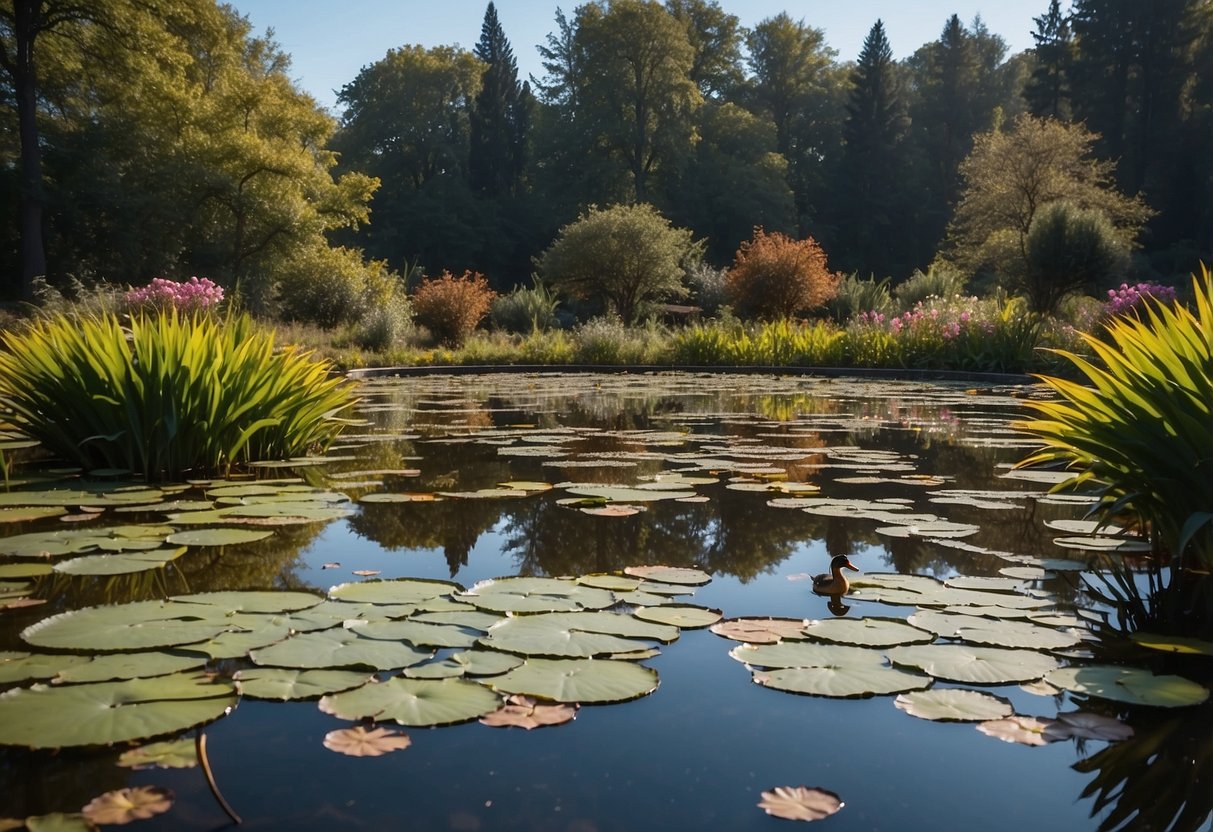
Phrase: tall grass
[172,393]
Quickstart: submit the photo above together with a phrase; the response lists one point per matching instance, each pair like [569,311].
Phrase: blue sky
[331,41]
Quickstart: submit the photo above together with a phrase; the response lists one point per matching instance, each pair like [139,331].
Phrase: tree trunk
[26,17]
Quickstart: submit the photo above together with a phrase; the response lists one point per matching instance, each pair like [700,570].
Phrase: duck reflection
[835,606]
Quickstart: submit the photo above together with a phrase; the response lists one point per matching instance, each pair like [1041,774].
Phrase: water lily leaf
[621,494]
[800,803]
[120,564]
[52,822]
[217,537]
[74,497]
[760,630]
[104,713]
[867,632]
[575,635]
[419,633]
[361,742]
[1027,573]
[954,705]
[578,680]
[1089,726]
[526,485]
[1129,684]
[615,583]
[1083,527]
[137,626]
[285,684]
[400,591]
[414,702]
[685,616]
[249,601]
[531,595]
[525,712]
[1003,633]
[338,648]
[24,514]
[1024,730]
[669,575]
[25,570]
[614,510]
[16,666]
[1173,644]
[181,753]
[805,654]
[400,497]
[974,665]
[127,666]
[985,584]
[79,541]
[937,528]
[167,507]
[485,494]
[126,805]
[465,663]
[844,681]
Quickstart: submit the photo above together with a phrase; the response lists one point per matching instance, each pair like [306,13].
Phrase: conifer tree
[500,118]
[1048,90]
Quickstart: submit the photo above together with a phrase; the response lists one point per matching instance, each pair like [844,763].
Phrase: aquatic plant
[171,393]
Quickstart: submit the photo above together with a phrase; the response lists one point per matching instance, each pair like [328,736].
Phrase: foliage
[707,288]
[191,296]
[628,255]
[451,307]
[779,343]
[1011,176]
[385,325]
[1142,433]
[171,394]
[332,286]
[500,118]
[938,281]
[1068,250]
[525,309]
[608,341]
[774,276]
[856,295]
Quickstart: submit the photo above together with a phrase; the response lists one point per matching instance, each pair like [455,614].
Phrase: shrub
[774,276]
[193,295]
[628,255]
[384,325]
[707,285]
[938,281]
[333,286]
[451,307]
[1069,250]
[173,393]
[525,309]
[856,295]
[609,341]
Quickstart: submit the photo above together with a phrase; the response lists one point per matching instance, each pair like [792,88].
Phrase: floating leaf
[1089,726]
[867,632]
[359,742]
[414,702]
[1173,644]
[954,705]
[222,603]
[20,667]
[800,803]
[286,684]
[466,663]
[531,595]
[685,616]
[1024,730]
[399,497]
[400,591]
[614,510]
[760,630]
[182,753]
[136,626]
[620,494]
[525,712]
[338,648]
[578,680]
[670,575]
[216,537]
[805,654]
[848,681]
[24,570]
[615,583]
[104,713]
[23,514]
[127,666]
[126,805]
[974,665]
[120,564]
[575,635]
[1129,684]
[420,633]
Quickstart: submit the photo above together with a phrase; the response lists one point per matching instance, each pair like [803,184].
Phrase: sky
[331,41]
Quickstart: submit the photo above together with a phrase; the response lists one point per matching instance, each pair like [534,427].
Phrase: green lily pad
[470,618]
[286,684]
[1129,684]
[867,632]
[137,626]
[1003,633]
[1173,644]
[182,753]
[401,591]
[575,635]
[117,666]
[578,680]
[621,494]
[418,633]
[217,537]
[248,601]
[669,575]
[120,564]
[24,514]
[1117,545]
[338,648]
[104,713]
[937,528]
[615,583]
[804,654]
[532,595]
[25,570]
[848,681]
[80,541]
[414,702]
[75,497]
[17,666]
[466,663]
[954,705]
[760,630]
[686,616]
[974,665]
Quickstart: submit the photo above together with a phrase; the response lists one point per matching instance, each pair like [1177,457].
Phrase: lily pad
[414,702]
[126,805]
[401,591]
[17,666]
[760,630]
[1129,684]
[127,666]
[286,684]
[578,680]
[181,753]
[336,649]
[136,626]
[844,681]
[531,595]
[669,575]
[1024,730]
[805,654]
[419,633]
[217,537]
[120,564]
[800,803]
[104,713]
[361,742]
[686,616]
[954,705]
[575,635]
[1173,644]
[1088,726]
[867,632]
[974,665]
[25,570]
[525,712]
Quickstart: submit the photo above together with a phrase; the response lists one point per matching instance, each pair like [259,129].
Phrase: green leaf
[847,681]
[217,537]
[401,591]
[530,595]
[866,632]
[414,702]
[286,684]
[578,680]
[685,616]
[954,705]
[1129,684]
[137,626]
[974,665]
[338,648]
[120,564]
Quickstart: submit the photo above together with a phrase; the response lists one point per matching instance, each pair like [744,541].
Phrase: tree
[715,37]
[776,277]
[1067,250]
[628,255]
[1011,176]
[500,118]
[1048,90]
[874,131]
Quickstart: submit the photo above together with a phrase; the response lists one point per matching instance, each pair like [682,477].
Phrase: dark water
[697,753]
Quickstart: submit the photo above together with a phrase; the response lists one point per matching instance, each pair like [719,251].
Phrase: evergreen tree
[874,131]
[1048,90]
[500,117]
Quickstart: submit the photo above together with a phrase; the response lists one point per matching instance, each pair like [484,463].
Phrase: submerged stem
[200,745]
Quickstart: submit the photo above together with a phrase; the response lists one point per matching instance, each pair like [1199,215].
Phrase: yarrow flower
[193,295]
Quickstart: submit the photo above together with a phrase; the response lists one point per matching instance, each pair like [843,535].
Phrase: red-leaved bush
[451,307]
[775,277]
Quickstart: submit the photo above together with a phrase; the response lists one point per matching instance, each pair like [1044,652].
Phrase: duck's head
[841,562]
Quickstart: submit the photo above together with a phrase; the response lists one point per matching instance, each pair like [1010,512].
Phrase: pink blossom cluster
[947,320]
[1127,298]
[192,295]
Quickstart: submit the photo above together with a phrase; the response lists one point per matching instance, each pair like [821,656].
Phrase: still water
[699,751]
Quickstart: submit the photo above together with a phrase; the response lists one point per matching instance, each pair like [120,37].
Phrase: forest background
[169,140]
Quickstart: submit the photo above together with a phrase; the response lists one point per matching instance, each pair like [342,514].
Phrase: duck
[835,583]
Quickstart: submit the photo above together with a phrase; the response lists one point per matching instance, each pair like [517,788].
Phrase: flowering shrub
[194,295]
[775,276]
[1130,298]
[451,307]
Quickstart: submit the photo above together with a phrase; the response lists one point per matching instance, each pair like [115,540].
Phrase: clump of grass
[172,393]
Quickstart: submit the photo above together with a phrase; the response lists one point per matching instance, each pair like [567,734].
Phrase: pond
[741,486]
